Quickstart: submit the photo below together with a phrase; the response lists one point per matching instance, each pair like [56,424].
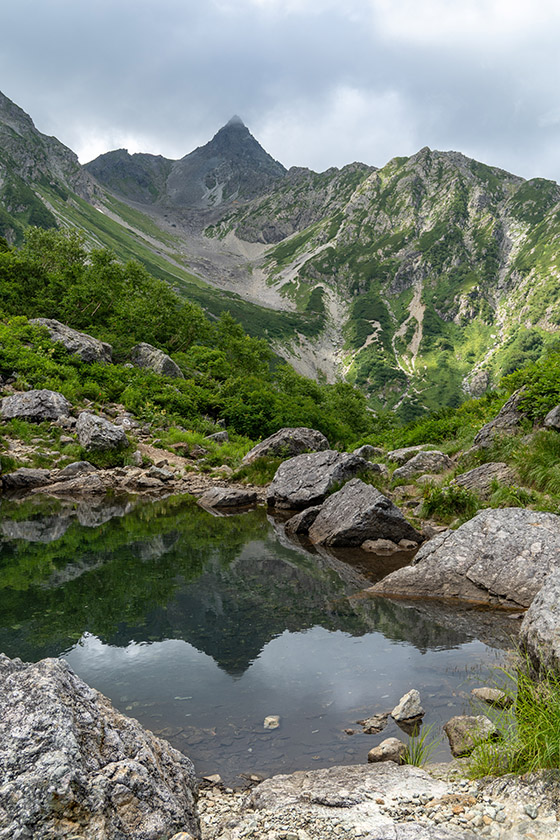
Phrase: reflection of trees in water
[170,570]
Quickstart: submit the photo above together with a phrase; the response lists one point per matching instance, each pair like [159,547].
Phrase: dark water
[201,626]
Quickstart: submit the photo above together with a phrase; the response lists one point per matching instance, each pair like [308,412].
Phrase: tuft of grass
[260,472]
[448,502]
[538,463]
[421,746]
[530,728]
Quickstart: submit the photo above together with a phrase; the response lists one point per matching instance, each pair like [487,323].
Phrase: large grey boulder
[540,629]
[356,513]
[145,356]
[498,557]
[424,462]
[506,421]
[401,456]
[288,442]
[96,433]
[72,766]
[35,406]
[480,479]
[305,480]
[227,497]
[89,349]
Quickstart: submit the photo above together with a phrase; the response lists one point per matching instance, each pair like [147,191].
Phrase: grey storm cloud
[319,83]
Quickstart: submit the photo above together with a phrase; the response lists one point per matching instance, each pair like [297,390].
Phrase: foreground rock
[35,406]
[465,732]
[540,629]
[356,513]
[145,356]
[409,707]
[89,349]
[96,433]
[305,480]
[423,462]
[499,557]
[288,443]
[72,766]
[506,422]
[227,497]
[365,801]
[480,479]
[391,749]
[26,478]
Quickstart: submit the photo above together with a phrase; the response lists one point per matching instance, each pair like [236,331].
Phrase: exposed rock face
[35,406]
[288,442]
[145,356]
[305,480]
[401,456]
[26,478]
[84,484]
[96,433]
[498,557]
[356,513]
[424,462]
[369,452]
[480,479]
[72,766]
[89,349]
[302,521]
[506,421]
[466,731]
[227,497]
[540,629]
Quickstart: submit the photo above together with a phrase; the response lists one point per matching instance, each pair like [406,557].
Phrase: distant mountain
[233,165]
[421,282]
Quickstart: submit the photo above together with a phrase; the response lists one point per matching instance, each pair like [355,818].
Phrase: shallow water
[201,626]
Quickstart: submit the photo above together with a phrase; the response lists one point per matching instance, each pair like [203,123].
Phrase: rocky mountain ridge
[421,282]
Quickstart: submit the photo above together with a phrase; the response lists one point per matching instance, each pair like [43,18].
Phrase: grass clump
[260,472]
[421,746]
[449,502]
[530,728]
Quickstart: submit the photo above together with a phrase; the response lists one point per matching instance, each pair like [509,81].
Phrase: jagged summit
[235,120]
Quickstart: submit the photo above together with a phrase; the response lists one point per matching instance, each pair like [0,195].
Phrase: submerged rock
[306,480]
[288,442]
[72,766]
[498,557]
[356,513]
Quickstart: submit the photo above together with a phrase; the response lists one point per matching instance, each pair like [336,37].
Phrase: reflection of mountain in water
[170,570]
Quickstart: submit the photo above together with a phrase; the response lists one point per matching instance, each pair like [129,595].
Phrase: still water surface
[201,626]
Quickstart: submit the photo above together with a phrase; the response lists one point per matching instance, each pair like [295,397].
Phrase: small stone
[492,696]
[532,811]
[214,779]
[379,546]
[391,749]
[272,722]
[407,545]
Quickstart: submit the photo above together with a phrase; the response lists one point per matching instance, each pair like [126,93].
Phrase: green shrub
[449,501]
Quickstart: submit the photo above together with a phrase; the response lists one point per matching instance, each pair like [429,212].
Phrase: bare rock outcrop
[35,406]
[356,513]
[72,766]
[88,348]
[540,629]
[288,442]
[96,433]
[305,480]
[480,479]
[506,422]
[499,557]
[145,356]
[424,462]
[26,478]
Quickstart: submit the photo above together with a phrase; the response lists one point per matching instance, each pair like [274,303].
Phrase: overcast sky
[319,83]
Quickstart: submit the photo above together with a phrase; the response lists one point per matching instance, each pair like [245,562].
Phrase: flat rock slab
[26,478]
[342,800]
[499,557]
[423,462]
[356,513]
[480,479]
[35,406]
[540,629]
[72,766]
[88,348]
[306,480]
[227,497]
[288,442]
